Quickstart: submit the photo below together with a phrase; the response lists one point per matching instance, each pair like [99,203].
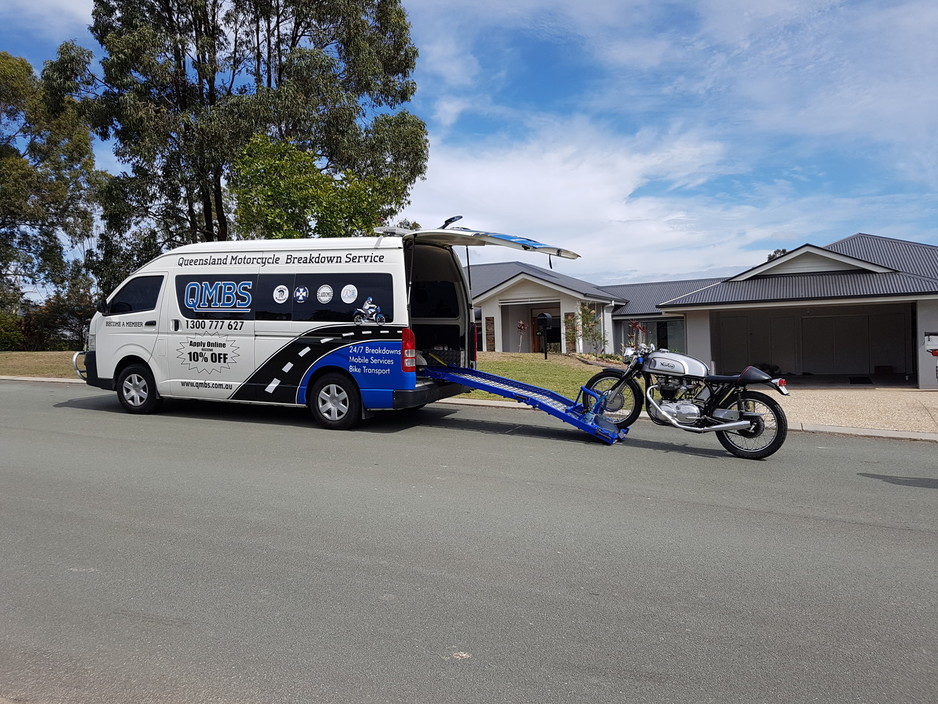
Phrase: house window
[670,335]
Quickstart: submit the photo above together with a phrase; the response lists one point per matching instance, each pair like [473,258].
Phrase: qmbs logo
[214,296]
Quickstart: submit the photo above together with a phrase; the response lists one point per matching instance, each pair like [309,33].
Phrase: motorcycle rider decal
[370,312]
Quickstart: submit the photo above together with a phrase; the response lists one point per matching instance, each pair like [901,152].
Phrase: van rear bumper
[426,393]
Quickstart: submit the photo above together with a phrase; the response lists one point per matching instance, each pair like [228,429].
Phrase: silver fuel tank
[674,364]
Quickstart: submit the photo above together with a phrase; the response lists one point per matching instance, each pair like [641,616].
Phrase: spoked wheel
[335,402]
[136,390]
[765,435]
[622,404]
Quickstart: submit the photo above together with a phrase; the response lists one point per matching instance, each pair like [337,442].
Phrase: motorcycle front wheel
[623,404]
[767,432]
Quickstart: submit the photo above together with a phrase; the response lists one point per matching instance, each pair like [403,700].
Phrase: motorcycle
[681,392]
[369,312]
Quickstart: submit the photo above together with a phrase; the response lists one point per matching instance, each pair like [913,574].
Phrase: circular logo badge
[281,294]
[349,294]
[324,294]
[300,294]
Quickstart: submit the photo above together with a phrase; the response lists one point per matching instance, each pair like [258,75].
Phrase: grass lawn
[46,364]
[559,373]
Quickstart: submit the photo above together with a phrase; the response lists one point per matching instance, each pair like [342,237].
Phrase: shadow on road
[917,482]
[384,423]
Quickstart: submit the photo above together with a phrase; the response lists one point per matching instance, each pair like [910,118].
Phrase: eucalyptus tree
[184,84]
[46,181]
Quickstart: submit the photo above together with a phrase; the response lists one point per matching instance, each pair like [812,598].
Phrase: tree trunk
[220,206]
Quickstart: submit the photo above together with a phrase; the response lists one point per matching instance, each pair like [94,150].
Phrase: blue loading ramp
[572,412]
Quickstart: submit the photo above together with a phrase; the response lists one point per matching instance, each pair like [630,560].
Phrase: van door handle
[150,323]
[175,325]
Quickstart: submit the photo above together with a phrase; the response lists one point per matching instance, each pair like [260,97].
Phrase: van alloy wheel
[136,390]
[335,401]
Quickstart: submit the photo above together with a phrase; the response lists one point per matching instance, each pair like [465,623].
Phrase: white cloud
[57,20]
[576,185]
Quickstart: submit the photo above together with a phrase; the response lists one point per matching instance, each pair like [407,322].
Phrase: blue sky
[659,139]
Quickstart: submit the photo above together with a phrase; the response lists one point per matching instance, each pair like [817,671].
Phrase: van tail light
[474,346]
[408,351]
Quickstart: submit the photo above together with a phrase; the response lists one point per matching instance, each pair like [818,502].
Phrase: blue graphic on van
[211,296]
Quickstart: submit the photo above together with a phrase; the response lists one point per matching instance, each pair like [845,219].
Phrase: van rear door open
[461,237]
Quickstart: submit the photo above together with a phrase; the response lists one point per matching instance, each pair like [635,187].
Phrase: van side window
[136,295]
[216,297]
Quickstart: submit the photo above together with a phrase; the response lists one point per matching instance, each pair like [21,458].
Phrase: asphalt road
[222,553]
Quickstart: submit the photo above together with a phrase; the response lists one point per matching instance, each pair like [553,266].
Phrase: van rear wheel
[136,390]
[335,402]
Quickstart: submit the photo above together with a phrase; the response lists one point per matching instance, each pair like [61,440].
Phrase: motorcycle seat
[749,375]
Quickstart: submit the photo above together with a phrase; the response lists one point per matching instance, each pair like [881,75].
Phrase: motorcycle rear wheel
[767,433]
[624,404]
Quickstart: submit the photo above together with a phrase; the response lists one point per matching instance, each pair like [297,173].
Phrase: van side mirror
[101,306]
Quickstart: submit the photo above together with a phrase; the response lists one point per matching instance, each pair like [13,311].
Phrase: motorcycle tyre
[726,437]
[359,318]
[631,388]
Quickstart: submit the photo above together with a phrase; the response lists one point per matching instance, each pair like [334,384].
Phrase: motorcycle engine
[669,386]
[682,411]
[679,397]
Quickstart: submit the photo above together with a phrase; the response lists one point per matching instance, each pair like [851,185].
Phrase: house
[511,296]
[859,307]
[640,319]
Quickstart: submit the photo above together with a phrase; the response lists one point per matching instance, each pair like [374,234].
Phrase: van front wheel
[136,390]
[335,402]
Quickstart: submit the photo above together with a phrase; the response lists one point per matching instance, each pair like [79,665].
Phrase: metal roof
[806,287]
[916,274]
[485,277]
[910,257]
[643,299]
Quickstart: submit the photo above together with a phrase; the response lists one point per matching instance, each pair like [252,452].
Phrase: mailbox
[931,343]
[931,346]
[544,323]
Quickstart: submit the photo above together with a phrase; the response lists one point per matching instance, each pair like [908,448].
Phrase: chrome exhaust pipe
[733,425]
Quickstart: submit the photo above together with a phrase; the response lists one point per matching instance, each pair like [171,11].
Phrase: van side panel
[207,331]
[371,355]
[335,306]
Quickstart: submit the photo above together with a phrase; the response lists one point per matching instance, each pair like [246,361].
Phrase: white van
[341,325]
